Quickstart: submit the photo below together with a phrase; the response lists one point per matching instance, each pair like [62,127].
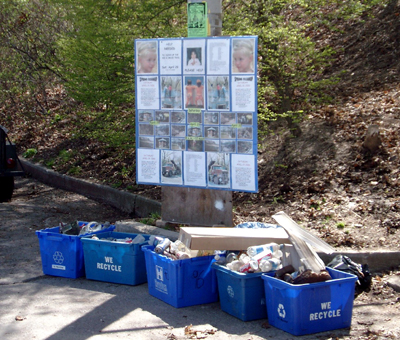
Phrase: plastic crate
[241,295]
[181,283]
[313,307]
[62,255]
[115,262]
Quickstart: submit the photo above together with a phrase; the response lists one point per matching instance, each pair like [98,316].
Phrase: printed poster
[197,19]
[196,112]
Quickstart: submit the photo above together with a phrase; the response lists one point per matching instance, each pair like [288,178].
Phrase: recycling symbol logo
[231,293]
[58,257]
[281,311]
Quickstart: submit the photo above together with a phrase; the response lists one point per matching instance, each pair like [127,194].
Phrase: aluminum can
[162,246]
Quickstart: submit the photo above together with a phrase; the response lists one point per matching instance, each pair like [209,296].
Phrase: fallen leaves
[198,334]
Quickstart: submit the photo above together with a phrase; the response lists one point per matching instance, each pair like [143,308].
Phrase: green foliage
[290,64]
[116,129]
[75,170]
[28,59]
[97,49]
[151,219]
[29,153]
[340,225]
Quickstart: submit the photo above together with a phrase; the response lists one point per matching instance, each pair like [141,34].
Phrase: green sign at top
[197,19]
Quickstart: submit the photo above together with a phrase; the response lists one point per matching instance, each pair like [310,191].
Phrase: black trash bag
[345,264]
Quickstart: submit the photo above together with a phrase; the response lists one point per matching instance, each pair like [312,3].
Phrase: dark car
[10,166]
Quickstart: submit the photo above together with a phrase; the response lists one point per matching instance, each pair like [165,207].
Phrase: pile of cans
[262,258]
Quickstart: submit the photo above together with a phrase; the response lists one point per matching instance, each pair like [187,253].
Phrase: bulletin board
[196,112]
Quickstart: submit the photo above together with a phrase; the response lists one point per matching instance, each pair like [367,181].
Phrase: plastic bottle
[272,247]
[234,265]
[268,265]
[138,239]
[220,256]
[244,258]
[181,246]
[256,259]
[231,257]
[277,254]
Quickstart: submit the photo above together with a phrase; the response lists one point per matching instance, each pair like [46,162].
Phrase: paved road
[36,306]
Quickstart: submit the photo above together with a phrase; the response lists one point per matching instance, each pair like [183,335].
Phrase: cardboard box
[200,238]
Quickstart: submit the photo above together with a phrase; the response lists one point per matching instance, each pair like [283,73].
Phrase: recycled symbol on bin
[231,293]
[58,257]
[281,311]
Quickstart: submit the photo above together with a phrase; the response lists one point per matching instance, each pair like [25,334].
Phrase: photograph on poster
[218,169]
[146,129]
[192,56]
[171,167]
[243,55]
[218,56]
[178,117]
[245,146]
[211,132]
[211,145]
[193,53]
[194,92]
[178,130]
[245,118]
[162,116]
[145,115]
[228,146]
[228,118]
[218,93]
[147,55]
[162,130]
[171,94]
[211,117]
[195,145]
[170,56]
[228,132]
[178,143]
[195,131]
[162,143]
[194,117]
[245,132]
[146,142]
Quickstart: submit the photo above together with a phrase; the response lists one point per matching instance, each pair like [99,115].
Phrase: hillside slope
[325,179]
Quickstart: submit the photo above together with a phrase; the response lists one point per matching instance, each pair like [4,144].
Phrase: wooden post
[192,206]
